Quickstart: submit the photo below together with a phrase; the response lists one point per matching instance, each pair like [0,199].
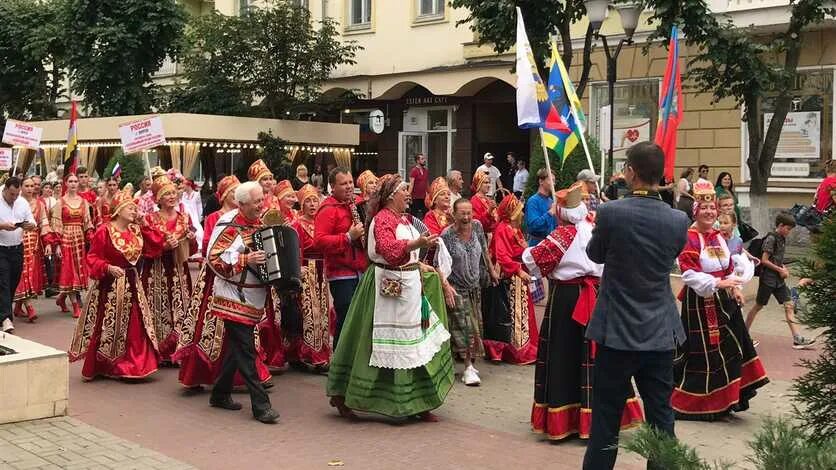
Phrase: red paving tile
[158,415]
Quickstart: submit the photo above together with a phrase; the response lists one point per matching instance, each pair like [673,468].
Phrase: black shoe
[268,417]
[268,385]
[226,404]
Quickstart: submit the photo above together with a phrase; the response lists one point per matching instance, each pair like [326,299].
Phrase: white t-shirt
[520,180]
[19,211]
[493,174]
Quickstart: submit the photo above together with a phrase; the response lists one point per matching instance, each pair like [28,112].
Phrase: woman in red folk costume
[201,339]
[104,204]
[484,208]
[71,225]
[33,276]
[507,309]
[260,173]
[717,369]
[287,199]
[565,358]
[438,202]
[166,277]
[269,331]
[313,346]
[367,182]
[117,334]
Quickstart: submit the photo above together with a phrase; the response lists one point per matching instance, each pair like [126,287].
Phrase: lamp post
[597,11]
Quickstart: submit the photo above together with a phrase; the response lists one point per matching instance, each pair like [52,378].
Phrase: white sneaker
[471,377]
[8,326]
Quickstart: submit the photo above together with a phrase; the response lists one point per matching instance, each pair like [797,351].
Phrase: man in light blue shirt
[540,210]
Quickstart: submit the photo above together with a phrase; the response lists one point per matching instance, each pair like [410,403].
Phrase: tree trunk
[759,212]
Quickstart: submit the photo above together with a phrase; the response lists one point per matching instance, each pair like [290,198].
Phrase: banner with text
[22,134]
[142,134]
[5,159]
[800,136]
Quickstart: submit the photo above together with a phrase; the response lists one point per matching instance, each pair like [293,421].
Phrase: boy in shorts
[773,278]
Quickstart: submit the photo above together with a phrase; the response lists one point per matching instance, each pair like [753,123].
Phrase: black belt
[11,248]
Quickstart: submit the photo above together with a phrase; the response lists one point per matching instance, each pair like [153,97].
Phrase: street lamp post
[597,11]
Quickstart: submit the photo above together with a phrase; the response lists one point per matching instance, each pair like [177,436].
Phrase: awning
[209,128]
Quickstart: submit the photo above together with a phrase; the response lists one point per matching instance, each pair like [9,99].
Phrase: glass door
[409,145]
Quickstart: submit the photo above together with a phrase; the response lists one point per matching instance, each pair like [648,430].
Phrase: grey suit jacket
[637,239]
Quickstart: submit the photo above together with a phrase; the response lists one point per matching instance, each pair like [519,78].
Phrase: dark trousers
[241,356]
[11,264]
[418,208]
[653,372]
[342,291]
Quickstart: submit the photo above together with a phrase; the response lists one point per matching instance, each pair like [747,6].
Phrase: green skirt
[390,392]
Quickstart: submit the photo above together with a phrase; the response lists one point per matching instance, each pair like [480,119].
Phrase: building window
[636,112]
[806,141]
[430,8]
[359,14]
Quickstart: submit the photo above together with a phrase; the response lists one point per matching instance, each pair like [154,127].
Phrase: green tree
[275,156]
[495,21]
[565,173]
[747,66]
[816,389]
[116,46]
[31,58]
[133,168]
[274,55]
[214,48]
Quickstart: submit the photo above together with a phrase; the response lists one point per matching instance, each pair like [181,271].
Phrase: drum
[282,270]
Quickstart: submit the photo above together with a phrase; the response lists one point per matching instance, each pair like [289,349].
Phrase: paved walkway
[153,422]
[67,443]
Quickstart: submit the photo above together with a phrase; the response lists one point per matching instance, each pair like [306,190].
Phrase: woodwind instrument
[355,217]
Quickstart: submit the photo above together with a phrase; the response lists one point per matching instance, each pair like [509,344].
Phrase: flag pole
[548,166]
[585,146]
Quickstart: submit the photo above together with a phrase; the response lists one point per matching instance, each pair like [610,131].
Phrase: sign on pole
[142,134]
[22,134]
[5,159]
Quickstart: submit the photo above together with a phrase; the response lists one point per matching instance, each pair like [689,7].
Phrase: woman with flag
[71,226]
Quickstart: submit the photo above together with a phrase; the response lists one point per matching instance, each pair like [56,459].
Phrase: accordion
[282,269]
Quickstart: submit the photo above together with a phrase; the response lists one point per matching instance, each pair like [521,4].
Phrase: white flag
[528,80]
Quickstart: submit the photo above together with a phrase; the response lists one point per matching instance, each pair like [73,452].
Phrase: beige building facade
[443,95]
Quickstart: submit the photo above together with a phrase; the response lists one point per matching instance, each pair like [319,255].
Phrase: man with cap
[493,173]
[590,180]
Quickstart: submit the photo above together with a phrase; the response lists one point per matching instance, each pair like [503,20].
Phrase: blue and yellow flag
[561,130]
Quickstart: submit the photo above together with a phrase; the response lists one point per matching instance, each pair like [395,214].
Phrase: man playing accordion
[239,299]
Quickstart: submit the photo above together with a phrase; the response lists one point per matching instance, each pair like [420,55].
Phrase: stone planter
[33,380]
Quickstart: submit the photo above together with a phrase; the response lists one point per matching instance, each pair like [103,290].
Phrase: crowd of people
[402,279]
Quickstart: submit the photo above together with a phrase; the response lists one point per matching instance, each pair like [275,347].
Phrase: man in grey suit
[635,322]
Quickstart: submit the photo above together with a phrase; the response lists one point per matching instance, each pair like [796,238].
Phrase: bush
[567,173]
[815,391]
[778,445]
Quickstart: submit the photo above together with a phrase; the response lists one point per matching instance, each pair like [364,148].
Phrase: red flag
[670,106]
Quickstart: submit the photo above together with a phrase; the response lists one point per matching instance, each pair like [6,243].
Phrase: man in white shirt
[520,178]
[15,217]
[493,174]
